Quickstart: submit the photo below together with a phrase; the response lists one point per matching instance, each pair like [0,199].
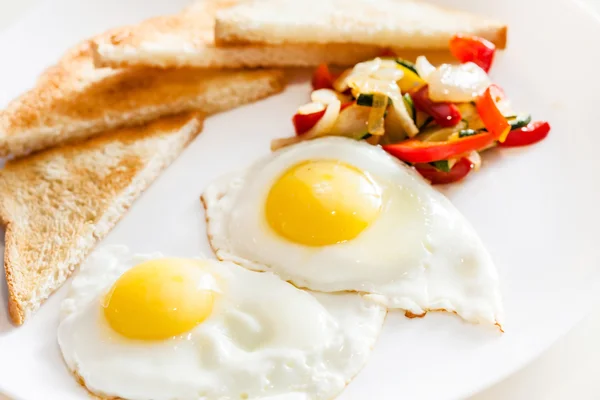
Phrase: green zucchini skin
[520,121]
[407,64]
[442,165]
[366,100]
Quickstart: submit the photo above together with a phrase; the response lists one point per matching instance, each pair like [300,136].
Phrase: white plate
[535,208]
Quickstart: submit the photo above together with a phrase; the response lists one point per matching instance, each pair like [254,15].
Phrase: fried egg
[335,214]
[150,327]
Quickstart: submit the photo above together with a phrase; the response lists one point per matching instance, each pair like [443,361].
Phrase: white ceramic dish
[535,208]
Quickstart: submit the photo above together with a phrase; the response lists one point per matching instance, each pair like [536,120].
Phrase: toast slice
[57,204]
[393,23]
[187,40]
[75,100]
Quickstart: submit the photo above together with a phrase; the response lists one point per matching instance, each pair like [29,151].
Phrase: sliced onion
[341,83]
[375,126]
[367,69]
[400,112]
[389,74]
[457,83]
[441,134]
[310,108]
[321,128]
[394,132]
[505,107]
[369,85]
[424,67]
[475,158]
[352,122]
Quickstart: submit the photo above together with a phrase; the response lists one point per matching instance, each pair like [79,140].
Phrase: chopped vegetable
[407,64]
[375,125]
[473,49]
[457,83]
[469,114]
[352,121]
[321,128]
[399,113]
[424,67]
[369,76]
[322,78]
[466,132]
[444,114]
[304,122]
[475,159]
[423,120]
[366,99]
[417,151]
[437,119]
[519,122]
[410,79]
[311,108]
[437,134]
[410,107]
[442,165]
[306,118]
[532,133]
[489,113]
[437,177]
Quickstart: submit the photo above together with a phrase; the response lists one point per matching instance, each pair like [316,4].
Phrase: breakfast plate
[534,207]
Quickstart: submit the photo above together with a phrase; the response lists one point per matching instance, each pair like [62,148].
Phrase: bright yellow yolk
[158,299]
[319,203]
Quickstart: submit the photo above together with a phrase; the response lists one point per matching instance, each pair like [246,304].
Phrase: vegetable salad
[436,118]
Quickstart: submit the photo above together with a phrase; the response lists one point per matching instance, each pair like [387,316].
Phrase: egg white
[419,255]
[264,338]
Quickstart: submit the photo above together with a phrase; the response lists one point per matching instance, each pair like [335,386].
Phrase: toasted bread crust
[57,204]
[187,40]
[73,100]
[389,23]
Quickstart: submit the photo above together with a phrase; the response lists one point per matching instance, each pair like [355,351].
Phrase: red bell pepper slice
[304,122]
[417,151]
[437,177]
[444,114]
[472,48]
[489,113]
[322,78]
[532,133]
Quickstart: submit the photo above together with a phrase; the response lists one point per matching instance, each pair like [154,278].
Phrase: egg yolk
[319,203]
[159,299]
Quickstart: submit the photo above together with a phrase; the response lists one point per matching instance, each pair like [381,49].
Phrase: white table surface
[568,370]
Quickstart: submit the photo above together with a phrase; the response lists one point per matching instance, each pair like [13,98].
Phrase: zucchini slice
[467,132]
[366,100]
[407,64]
[410,106]
[519,121]
[442,165]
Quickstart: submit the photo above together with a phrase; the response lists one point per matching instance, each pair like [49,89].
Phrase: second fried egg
[150,327]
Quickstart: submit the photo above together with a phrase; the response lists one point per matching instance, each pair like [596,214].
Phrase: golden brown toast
[391,23]
[57,204]
[187,40]
[75,100]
